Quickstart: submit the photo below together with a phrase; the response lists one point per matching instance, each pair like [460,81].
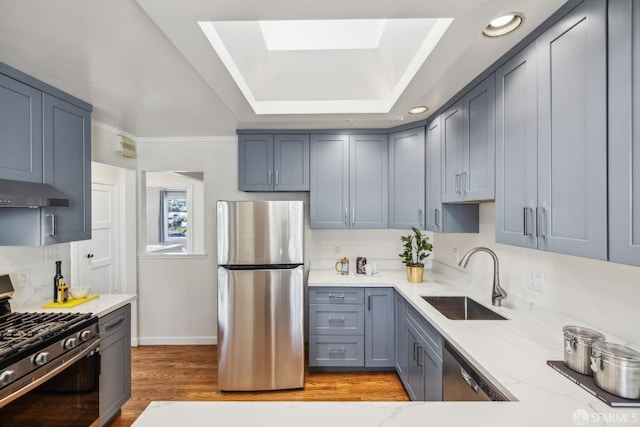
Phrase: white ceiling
[148,69]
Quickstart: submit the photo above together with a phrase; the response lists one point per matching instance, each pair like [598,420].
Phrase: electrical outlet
[24,278]
[53,252]
[336,248]
[536,281]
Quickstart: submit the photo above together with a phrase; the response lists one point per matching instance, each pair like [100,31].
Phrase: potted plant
[416,249]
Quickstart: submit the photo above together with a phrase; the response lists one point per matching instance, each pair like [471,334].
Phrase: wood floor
[190,373]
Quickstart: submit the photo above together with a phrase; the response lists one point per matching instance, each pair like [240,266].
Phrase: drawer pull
[337,351]
[113,324]
[336,296]
[333,320]
[415,349]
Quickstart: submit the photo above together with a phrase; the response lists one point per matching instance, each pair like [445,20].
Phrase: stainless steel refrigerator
[260,295]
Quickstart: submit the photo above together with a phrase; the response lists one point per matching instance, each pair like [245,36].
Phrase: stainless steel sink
[462,308]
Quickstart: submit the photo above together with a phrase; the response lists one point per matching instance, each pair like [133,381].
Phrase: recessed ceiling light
[503,24]
[418,110]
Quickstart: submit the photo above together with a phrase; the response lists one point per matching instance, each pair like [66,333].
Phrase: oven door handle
[94,347]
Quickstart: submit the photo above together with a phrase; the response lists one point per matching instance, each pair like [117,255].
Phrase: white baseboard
[177,340]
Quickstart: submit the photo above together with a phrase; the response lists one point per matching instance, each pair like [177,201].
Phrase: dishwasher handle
[470,381]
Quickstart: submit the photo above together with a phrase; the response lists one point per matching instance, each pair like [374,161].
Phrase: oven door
[68,395]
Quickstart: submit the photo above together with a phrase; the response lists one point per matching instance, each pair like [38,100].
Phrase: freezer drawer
[260,233]
[260,329]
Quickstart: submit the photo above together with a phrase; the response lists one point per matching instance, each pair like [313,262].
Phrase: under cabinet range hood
[22,194]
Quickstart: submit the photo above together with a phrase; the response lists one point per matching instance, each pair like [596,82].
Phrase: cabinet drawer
[336,295]
[336,319]
[424,328]
[327,350]
[114,321]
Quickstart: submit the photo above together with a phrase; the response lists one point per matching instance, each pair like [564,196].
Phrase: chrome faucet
[497,293]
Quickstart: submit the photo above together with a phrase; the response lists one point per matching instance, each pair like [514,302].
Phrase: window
[174,223]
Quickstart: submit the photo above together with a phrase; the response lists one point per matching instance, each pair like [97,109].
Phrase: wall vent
[126,147]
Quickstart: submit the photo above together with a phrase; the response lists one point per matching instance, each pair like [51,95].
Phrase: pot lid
[582,334]
[616,351]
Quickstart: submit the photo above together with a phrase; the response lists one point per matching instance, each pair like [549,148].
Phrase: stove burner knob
[85,335]
[6,377]
[70,343]
[41,358]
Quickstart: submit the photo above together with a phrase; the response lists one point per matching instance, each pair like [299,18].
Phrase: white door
[98,256]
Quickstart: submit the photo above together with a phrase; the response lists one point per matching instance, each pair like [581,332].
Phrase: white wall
[603,294]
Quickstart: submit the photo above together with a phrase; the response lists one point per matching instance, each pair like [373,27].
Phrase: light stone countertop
[100,306]
[512,354]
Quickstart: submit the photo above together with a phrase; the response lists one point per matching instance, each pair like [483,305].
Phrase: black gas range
[49,369]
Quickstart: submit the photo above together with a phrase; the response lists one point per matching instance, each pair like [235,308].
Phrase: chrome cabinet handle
[270,174]
[52,227]
[540,229]
[470,381]
[457,183]
[334,320]
[113,324]
[336,296]
[340,351]
[420,217]
[437,219]
[463,183]
[277,177]
[353,216]
[419,353]
[368,302]
[346,217]
[415,348]
[525,222]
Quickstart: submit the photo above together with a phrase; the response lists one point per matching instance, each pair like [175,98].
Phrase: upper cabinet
[406,178]
[46,138]
[624,132]
[468,141]
[20,131]
[443,218]
[269,162]
[349,181]
[67,167]
[551,139]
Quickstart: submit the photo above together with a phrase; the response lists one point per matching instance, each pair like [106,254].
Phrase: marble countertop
[100,306]
[512,354]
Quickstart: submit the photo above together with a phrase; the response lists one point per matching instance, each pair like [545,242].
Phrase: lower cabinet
[421,346]
[115,362]
[351,327]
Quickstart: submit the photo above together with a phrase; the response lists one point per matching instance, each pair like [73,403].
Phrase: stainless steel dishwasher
[461,382]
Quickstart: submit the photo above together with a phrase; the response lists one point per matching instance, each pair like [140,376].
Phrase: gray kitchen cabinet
[402,361]
[67,167]
[563,209]
[269,162]
[45,139]
[439,217]
[424,348]
[20,131]
[115,362]
[329,183]
[379,322]
[407,178]
[624,132]
[349,330]
[349,181]
[468,146]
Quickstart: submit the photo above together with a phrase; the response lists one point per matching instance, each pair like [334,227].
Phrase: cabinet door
[402,360]
[406,179]
[379,328]
[291,162]
[67,167]
[572,137]
[624,132]
[329,181]
[433,177]
[20,131]
[431,364]
[453,144]
[115,363]
[516,149]
[478,173]
[369,181]
[255,163]
[415,372]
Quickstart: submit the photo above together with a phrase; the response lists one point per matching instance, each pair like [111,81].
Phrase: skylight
[322,34]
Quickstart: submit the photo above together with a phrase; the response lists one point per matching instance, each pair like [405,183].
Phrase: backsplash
[14,259]
[602,294]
